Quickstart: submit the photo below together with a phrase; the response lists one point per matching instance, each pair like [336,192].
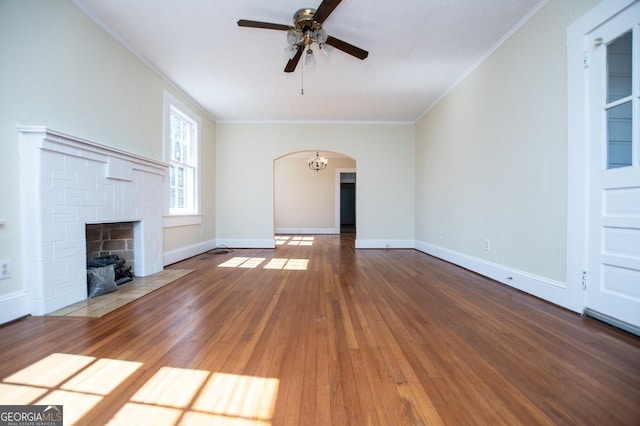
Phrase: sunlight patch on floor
[282,240]
[253,262]
[297,264]
[101,377]
[276,263]
[171,396]
[142,414]
[171,387]
[239,397]
[50,371]
[76,382]
[234,262]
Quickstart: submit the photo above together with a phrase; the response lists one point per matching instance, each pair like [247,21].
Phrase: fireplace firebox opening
[106,239]
[111,244]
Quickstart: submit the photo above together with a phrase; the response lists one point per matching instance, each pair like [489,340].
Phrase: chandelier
[318,163]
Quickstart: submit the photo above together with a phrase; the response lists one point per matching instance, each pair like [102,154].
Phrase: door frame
[337,195]
[578,137]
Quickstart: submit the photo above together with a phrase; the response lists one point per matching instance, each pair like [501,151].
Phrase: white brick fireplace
[68,182]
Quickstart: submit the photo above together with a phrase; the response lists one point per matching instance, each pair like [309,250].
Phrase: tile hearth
[127,293]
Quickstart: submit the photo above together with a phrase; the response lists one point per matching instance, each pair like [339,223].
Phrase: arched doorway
[308,201]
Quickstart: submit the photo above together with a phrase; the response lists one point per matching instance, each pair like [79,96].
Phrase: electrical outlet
[5,269]
[441,235]
[487,244]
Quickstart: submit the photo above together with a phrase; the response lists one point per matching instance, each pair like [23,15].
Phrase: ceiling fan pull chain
[302,83]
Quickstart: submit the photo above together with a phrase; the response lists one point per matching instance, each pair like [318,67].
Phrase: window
[181,148]
[619,106]
[181,169]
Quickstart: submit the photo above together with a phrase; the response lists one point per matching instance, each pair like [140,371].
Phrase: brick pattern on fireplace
[68,182]
[104,239]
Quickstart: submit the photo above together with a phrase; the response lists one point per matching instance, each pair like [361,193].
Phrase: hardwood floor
[315,332]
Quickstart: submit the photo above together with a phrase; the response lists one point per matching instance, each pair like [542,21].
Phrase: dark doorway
[347,202]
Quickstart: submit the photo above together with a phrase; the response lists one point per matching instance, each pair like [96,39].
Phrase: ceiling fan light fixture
[293,37]
[309,60]
[326,49]
[291,51]
[320,36]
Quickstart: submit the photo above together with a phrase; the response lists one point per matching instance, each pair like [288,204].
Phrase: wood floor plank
[321,333]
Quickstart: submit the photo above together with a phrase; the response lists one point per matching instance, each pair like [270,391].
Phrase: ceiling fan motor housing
[303,20]
[310,30]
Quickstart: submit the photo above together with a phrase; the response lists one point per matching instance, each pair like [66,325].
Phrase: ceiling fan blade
[293,63]
[325,9]
[265,25]
[347,48]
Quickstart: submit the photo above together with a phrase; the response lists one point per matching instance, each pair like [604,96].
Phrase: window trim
[193,218]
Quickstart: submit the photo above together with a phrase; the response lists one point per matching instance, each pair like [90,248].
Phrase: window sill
[182,220]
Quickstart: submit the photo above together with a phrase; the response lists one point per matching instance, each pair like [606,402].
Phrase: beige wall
[60,70]
[491,157]
[245,177]
[305,200]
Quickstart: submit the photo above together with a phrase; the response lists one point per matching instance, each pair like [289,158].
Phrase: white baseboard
[242,243]
[13,306]
[383,244]
[306,231]
[553,291]
[183,253]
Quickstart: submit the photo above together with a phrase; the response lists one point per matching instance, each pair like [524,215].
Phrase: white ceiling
[418,50]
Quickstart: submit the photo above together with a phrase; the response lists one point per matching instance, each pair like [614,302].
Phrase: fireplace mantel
[68,182]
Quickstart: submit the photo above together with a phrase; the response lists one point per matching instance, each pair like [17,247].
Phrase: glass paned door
[613,252]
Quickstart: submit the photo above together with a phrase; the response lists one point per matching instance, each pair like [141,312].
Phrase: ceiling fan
[306,30]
